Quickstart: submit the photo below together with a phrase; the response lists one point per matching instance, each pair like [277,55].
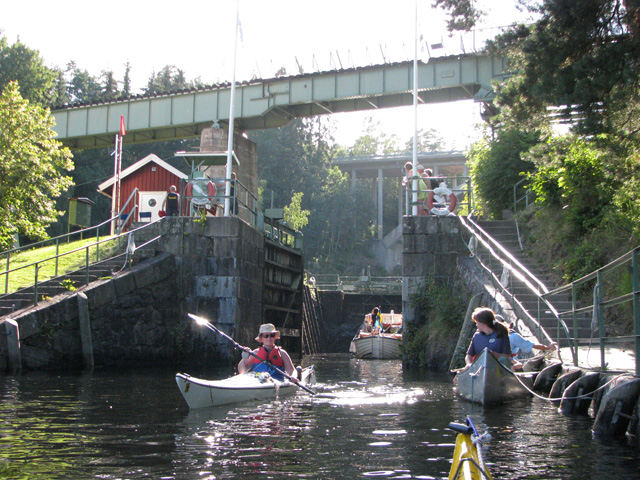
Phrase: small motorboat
[489,381]
[200,393]
[379,345]
[468,463]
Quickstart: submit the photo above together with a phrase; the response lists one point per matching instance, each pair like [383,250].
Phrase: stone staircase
[505,233]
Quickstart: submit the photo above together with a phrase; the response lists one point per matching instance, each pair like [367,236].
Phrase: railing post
[6,275]
[57,254]
[35,285]
[574,339]
[601,329]
[97,245]
[636,307]
[87,263]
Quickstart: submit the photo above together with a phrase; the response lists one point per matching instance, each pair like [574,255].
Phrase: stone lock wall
[138,317]
[430,246]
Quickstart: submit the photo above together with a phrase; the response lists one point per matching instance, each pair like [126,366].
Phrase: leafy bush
[496,166]
[440,315]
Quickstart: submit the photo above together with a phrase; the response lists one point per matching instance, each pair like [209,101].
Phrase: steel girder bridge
[269,103]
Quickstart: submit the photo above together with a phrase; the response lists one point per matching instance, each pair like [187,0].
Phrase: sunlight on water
[369,419]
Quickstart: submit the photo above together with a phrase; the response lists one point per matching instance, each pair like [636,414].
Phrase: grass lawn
[26,260]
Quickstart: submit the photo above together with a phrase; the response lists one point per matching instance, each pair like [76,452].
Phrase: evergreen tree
[21,64]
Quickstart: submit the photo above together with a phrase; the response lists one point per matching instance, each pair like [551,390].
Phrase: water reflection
[370,419]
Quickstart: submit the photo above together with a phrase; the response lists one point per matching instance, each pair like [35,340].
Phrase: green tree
[169,79]
[21,64]
[574,174]
[294,215]
[82,87]
[32,166]
[496,166]
[580,63]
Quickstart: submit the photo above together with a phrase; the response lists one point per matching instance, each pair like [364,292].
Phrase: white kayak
[201,393]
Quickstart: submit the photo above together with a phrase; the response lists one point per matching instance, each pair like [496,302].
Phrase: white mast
[227,193]
[414,183]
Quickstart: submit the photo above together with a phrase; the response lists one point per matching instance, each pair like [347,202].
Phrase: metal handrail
[631,259]
[121,223]
[249,202]
[43,243]
[460,184]
[518,270]
[334,281]
[524,197]
[37,265]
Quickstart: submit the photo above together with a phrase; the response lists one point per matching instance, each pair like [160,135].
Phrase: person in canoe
[521,344]
[269,352]
[492,334]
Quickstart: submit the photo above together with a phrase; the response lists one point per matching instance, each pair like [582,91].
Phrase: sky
[301,35]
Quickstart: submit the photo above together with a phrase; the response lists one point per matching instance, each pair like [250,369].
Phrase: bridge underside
[274,102]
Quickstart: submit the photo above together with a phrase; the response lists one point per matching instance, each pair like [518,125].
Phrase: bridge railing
[242,202]
[460,186]
[498,257]
[611,295]
[355,284]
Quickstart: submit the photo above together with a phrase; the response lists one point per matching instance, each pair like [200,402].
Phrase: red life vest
[273,357]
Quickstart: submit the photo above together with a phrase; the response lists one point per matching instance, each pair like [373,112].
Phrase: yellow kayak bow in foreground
[468,463]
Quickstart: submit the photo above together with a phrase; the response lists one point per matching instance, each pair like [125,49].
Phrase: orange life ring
[453,200]
[201,196]
[211,189]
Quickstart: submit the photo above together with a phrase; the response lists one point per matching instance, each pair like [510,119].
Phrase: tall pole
[114,199]
[227,192]
[414,187]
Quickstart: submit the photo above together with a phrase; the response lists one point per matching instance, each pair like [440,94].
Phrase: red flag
[122,132]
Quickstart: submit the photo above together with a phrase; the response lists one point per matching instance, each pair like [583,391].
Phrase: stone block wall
[212,268]
[430,247]
[135,319]
[221,262]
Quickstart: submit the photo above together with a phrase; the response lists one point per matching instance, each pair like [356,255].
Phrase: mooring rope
[586,395]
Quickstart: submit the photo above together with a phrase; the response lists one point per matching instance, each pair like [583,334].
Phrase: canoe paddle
[206,323]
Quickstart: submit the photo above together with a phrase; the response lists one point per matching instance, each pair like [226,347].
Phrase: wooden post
[85,330]
[13,345]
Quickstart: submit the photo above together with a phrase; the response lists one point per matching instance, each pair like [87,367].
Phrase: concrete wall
[211,268]
[430,246]
[134,315]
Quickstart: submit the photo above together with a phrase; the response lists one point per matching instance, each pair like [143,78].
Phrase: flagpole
[227,192]
[114,210]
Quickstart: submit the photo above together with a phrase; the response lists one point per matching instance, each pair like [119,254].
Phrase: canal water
[369,419]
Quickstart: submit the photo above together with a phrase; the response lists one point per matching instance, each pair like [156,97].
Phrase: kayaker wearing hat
[269,352]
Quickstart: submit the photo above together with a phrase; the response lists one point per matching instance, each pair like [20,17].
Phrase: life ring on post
[442,191]
[211,189]
[199,192]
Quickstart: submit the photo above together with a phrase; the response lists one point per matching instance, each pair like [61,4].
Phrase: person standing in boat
[268,352]
[492,334]
[376,320]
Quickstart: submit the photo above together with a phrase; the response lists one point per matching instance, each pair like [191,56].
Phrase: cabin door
[149,206]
